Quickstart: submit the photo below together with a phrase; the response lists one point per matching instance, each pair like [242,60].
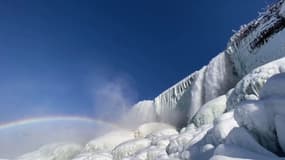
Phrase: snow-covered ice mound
[93,156]
[62,151]
[147,128]
[109,141]
[251,131]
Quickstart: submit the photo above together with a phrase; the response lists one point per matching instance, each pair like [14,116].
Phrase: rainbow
[36,120]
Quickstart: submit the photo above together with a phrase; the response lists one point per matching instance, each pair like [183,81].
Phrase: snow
[210,111]
[147,128]
[129,148]
[248,88]
[95,156]
[274,87]
[257,119]
[261,118]
[221,129]
[162,133]
[61,151]
[240,137]
[109,141]
[231,152]
[151,153]
[246,132]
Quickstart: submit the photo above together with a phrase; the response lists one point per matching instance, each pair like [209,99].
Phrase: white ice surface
[274,87]
[93,156]
[61,151]
[248,88]
[109,141]
[210,111]
[231,152]
[147,128]
[129,148]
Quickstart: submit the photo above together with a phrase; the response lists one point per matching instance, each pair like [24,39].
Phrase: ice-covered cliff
[178,104]
[255,44]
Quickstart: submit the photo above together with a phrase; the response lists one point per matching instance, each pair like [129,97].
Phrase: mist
[113,96]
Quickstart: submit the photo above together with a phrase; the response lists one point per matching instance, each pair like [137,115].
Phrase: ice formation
[64,151]
[232,108]
[109,141]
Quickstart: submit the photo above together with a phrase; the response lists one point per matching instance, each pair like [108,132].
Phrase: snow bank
[108,142]
[147,128]
[231,152]
[248,88]
[93,156]
[129,148]
[60,151]
[274,87]
[210,111]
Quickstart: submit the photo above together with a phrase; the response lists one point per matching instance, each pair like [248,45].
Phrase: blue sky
[69,57]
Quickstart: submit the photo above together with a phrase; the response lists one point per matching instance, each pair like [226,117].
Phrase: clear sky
[79,57]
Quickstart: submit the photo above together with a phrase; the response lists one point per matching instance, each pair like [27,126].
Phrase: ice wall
[181,101]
